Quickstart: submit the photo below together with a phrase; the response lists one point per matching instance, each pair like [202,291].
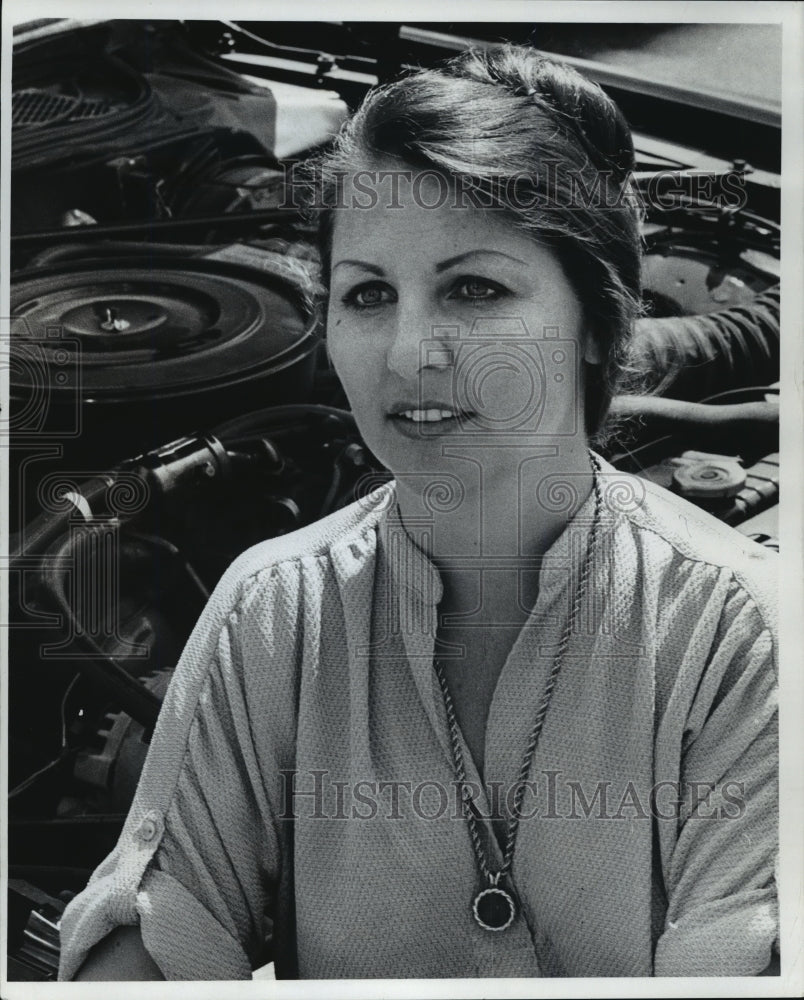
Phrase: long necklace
[494,907]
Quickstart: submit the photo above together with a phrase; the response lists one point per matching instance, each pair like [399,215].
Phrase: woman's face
[448,326]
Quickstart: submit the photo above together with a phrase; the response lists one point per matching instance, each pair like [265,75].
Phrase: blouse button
[149,827]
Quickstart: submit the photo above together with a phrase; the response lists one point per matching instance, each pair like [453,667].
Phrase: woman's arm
[719,855]
[121,955]
[196,865]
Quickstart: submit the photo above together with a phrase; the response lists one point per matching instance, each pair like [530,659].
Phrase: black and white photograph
[402,466]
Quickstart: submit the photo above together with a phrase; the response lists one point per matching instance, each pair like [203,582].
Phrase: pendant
[494,909]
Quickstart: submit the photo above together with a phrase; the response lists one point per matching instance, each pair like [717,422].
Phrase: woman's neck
[502,524]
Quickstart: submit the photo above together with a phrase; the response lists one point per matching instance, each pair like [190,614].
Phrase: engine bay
[172,402]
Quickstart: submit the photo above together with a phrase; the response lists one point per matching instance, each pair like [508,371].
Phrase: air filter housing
[114,357]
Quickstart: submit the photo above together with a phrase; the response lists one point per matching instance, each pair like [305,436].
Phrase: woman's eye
[368,295]
[477,290]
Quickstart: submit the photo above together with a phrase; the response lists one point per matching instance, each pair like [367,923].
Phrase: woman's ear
[591,349]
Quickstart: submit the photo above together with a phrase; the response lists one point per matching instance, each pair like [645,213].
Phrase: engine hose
[187,463]
[672,413]
[102,669]
[334,486]
[760,391]
[693,357]
[43,531]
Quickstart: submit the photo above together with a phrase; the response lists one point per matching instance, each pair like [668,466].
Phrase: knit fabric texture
[299,804]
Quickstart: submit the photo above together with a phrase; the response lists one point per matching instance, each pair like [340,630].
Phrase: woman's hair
[536,140]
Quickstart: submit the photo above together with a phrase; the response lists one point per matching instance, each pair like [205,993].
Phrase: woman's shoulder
[252,619]
[347,529]
[709,595]
[694,545]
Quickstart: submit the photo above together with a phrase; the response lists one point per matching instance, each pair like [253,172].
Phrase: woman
[512,714]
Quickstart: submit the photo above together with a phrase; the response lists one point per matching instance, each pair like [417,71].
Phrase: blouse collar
[412,570]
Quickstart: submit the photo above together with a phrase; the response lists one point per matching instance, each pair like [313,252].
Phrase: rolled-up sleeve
[183,870]
[720,863]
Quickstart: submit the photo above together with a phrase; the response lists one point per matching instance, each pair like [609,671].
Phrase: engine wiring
[65,751]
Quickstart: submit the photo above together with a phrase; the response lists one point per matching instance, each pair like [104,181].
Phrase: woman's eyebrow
[373,268]
[444,265]
[460,258]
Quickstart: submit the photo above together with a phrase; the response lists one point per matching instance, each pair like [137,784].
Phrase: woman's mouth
[427,421]
[427,416]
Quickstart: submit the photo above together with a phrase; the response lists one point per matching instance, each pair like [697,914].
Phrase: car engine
[172,402]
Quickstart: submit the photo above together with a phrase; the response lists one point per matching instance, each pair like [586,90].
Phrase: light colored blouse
[311,671]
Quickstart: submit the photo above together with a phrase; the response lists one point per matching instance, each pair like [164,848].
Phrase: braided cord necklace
[494,907]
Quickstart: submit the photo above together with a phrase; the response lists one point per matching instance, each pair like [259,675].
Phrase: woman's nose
[419,343]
